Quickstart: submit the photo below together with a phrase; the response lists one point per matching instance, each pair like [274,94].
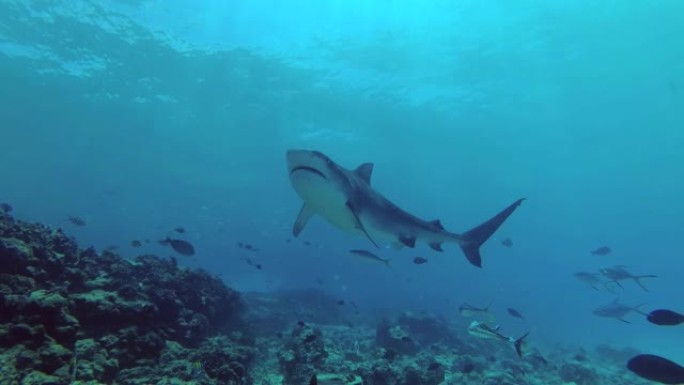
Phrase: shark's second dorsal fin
[437,224]
[364,171]
[304,215]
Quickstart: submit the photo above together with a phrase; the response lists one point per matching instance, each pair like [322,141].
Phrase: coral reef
[72,316]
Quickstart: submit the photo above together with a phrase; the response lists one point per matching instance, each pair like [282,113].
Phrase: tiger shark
[346,199]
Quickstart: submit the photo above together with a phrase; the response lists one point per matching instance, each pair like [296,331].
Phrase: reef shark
[346,199]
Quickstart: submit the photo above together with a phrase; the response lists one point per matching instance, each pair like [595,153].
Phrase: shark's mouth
[308,169]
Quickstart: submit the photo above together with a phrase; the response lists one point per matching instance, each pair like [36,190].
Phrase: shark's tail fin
[519,343]
[475,237]
[638,277]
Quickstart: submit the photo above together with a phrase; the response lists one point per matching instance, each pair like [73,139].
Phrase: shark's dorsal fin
[304,215]
[437,224]
[359,224]
[364,171]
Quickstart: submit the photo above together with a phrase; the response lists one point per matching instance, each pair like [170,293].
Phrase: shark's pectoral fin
[304,215]
[408,241]
[436,246]
[359,224]
[365,171]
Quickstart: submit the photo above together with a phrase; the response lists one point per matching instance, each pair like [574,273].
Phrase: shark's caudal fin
[474,238]
[518,344]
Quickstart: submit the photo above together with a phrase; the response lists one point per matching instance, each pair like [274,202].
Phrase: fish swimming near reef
[507,242]
[514,313]
[346,199]
[591,279]
[616,274]
[656,368]
[419,260]
[370,256]
[482,313]
[76,221]
[665,317]
[603,250]
[180,246]
[5,207]
[617,311]
[335,379]
[481,330]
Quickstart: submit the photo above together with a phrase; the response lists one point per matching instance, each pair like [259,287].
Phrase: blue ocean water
[142,116]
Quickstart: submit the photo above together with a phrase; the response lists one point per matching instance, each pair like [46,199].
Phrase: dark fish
[656,368]
[419,260]
[258,266]
[507,242]
[665,317]
[301,324]
[181,247]
[341,302]
[76,221]
[434,366]
[136,243]
[6,207]
[307,243]
[310,338]
[248,246]
[406,339]
[603,250]
[179,230]
[515,313]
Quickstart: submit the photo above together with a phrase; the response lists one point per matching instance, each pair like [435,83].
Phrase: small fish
[590,279]
[619,273]
[507,242]
[310,338]
[6,207]
[370,256]
[434,366]
[307,243]
[406,339]
[181,247]
[136,243]
[333,379]
[248,246]
[179,230]
[301,324]
[617,311]
[480,330]
[468,310]
[241,245]
[197,370]
[419,260]
[603,250]
[656,368]
[665,317]
[341,302]
[514,313]
[258,266]
[76,221]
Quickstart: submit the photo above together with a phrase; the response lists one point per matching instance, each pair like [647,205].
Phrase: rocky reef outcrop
[69,315]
